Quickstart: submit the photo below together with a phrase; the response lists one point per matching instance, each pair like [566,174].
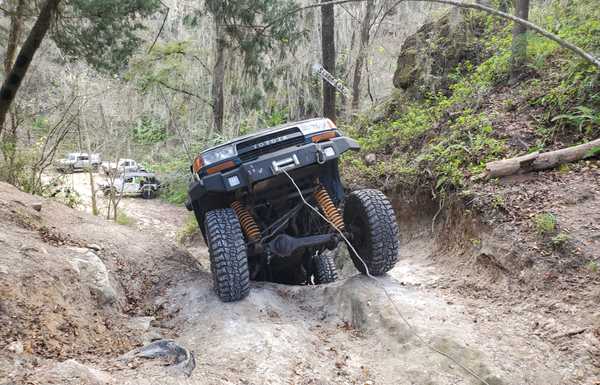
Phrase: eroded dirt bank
[342,333]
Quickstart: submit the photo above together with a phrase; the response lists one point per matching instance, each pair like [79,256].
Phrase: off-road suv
[256,225]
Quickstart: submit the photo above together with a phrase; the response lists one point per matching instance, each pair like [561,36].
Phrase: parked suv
[78,161]
[123,166]
[256,225]
[142,184]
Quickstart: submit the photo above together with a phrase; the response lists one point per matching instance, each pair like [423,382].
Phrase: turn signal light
[221,167]
[323,136]
[197,165]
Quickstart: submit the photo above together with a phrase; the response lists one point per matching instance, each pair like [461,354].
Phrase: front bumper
[269,165]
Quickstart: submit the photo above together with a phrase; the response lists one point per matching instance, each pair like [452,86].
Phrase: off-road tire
[370,219]
[148,193]
[228,258]
[324,269]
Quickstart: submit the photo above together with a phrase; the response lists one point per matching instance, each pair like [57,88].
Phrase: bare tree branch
[168,105]
[173,88]
[202,64]
[162,26]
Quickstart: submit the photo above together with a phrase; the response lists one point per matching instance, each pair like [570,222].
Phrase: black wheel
[107,191]
[148,193]
[228,259]
[324,269]
[370,219]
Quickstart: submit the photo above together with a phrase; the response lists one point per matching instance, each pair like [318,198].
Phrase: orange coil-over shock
[246,221]
[331,212]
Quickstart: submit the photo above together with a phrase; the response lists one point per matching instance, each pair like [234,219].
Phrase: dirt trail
[149,215]
[342,333]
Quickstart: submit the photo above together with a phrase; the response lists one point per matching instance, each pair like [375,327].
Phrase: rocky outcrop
[429,56]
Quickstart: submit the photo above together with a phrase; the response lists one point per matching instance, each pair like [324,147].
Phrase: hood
[265,131]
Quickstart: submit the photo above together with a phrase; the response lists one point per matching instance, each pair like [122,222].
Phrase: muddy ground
[347,332]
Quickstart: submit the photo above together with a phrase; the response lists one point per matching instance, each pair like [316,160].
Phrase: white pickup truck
[123,166]
[78,161]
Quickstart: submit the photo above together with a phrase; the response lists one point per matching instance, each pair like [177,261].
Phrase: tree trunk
[541,161]
[519,39]
[14,35]
[91,172]
[9,140]
[218,80]
[13,79]
[328,51]
[364,43]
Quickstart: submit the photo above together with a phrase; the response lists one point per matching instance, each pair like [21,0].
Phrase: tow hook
[321,157]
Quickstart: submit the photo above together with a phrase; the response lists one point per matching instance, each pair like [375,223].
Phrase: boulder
[95,275]
[36,206]
[370,159]
[73,372]
[429,56]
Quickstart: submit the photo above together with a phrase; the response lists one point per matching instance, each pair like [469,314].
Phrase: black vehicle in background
[256,225]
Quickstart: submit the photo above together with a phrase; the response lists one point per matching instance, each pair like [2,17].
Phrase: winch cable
[382,287]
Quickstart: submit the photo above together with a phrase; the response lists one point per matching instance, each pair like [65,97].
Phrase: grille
[247,151]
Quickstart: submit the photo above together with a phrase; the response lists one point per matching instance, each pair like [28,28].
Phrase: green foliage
[445,140]
[593,266]
[464,152]
[414,122]
[244,24]
[276,116]
[545,223]
[189,228]
[149,130]
[594,151]
[560,240]
[564,168]
[59,189]
[498,201]
[164,65]
[124,219]
[174,174]
[584,118]
[104,33]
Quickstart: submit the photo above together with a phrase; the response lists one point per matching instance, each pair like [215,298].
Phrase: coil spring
[329,209]
[248,223]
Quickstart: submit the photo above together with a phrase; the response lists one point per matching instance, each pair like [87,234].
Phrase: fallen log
[541,161]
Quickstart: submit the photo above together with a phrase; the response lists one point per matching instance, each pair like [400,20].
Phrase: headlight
[218,154]
[318,126]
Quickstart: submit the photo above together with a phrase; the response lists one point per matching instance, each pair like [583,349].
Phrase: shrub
[189,228]
[545,223]
[124,219]
[560,240]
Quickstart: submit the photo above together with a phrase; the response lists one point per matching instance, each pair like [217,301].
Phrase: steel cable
[387,294]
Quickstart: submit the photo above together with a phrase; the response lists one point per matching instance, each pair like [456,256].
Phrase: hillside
[432,140]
